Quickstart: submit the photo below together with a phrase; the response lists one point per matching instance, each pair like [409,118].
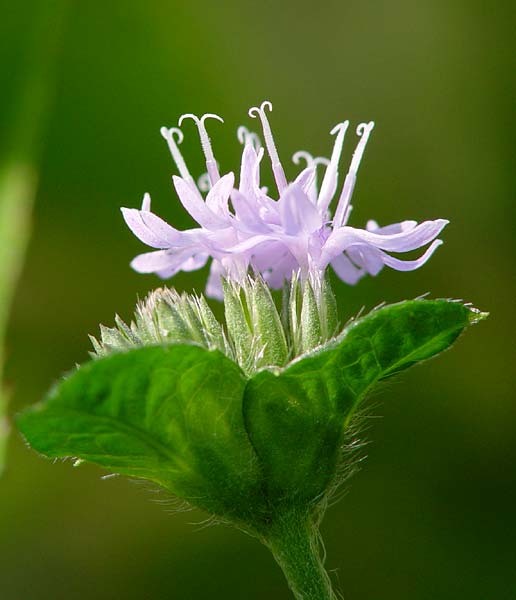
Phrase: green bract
[260,447]
[187,418]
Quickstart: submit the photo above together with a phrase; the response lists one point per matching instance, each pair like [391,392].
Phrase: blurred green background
[433,513]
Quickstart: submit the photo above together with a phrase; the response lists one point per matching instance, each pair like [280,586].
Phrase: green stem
[294,542]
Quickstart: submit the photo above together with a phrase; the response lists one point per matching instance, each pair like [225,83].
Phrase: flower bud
[311,335]
[237,323]
[267,326]
[254,336]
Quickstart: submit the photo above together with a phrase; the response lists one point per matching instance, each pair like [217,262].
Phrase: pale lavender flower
[245,228]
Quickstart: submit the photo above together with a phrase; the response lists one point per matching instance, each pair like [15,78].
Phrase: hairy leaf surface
[296,417]
[172,415]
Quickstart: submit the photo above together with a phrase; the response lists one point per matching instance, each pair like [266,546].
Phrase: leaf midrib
[120,424]
[397,364]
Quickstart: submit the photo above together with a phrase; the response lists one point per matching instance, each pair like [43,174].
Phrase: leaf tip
[476,315]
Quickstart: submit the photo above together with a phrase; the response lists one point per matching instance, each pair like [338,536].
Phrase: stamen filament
[211,163]
[168,134]
[329,181]
[249,137]
[343,208]
[364,130]
[277,169]
[311,161]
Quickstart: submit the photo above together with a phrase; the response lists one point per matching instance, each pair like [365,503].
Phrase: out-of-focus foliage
[431,515]
[19,153]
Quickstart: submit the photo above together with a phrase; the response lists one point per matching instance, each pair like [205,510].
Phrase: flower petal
[218,197]
[250,171]
[389,229]
[167,263]
[150,229]
[214,283]
[346,270]
[343,238]
[247,213]
[367,257]
[405,240]
[411,265]
[297,212]
[306,179]
[193,202]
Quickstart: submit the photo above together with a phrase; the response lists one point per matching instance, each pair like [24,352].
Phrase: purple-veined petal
[366,257]
[346,270]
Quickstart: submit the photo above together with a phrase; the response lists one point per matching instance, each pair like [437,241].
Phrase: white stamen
[311,163]
[203,183]
[211,164]
[326,193]
[249,137]
[168,134]
[364,130]
[310,160]
[277,169]
[146,203]
[343,210]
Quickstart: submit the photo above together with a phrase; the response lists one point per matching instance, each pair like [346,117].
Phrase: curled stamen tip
[365,128]
[168,133]
[188,116]
[211,116]
[339,127]
[256,111]
[201,120]
[300,155]
[248,137]
[242,134]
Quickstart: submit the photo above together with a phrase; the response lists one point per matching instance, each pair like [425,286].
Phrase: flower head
[245,228]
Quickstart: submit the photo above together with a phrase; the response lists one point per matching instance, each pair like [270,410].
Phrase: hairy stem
[294,542]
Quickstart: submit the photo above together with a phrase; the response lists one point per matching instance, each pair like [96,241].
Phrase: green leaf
[296,417]
[171,415]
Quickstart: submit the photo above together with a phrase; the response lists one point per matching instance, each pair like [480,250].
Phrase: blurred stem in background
[19,155]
